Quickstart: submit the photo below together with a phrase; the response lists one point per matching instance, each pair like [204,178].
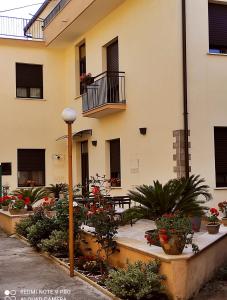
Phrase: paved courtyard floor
[32,277]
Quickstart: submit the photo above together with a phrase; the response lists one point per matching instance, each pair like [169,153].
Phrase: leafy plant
[57,243]
[57,189]
[213,216]
[62,216]
[105,231]
[40,230]
[34,194]
[170,224]
[176,195]
[223,208]
[23,226]
[5,200]
[139,281]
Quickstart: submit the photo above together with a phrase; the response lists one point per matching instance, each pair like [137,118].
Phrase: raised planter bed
[186,273]
[8,221]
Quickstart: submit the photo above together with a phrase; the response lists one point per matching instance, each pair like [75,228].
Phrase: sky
[20,13]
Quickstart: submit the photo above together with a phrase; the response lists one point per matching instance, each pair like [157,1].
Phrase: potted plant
[85,80]
[213,221]
[49,207]
[17,206]
[5,202]
[175,233]
[223,208]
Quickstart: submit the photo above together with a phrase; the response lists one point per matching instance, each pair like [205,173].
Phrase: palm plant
[56,189]
[176,195]
[34,194]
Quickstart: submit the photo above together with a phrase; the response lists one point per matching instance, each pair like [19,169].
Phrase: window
[82,61]
[115,162]
[6,168]
[220,141]
[31,167]
[217,28]
[29,81]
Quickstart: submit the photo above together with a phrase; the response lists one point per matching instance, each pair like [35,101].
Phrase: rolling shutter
[220,140]
[217,25]
[29,76]
[112,57]
[31,159]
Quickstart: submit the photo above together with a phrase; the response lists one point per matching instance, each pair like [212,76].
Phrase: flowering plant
[49,204]
[86,78]
[5,200]
[213,216]
[19,203]
[115,181]
[223,208]
[175,224]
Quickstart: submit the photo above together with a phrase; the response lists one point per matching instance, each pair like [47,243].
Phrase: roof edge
[36,15]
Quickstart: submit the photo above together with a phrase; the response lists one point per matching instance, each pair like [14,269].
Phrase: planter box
[8,221]
[186,273]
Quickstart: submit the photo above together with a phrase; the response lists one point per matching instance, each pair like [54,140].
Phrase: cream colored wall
[149,35]
[32,123]
[207,95]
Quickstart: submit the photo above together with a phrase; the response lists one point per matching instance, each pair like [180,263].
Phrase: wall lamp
[143,130]
[94,143]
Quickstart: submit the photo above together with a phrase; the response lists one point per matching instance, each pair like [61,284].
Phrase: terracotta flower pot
[213,228]
[172,244]
[224,221]
[5,208]
[14,211]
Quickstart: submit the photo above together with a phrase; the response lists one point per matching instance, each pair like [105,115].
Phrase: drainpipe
[185,88]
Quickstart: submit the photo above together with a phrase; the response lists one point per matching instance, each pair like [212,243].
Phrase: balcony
[71,18]
[54,12]
[11,27]
[105,96]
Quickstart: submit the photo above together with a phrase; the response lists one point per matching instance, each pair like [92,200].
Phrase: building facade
[131,109]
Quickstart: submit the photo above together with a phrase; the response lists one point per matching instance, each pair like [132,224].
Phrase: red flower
[19,196]
[163,238]
[95,190]
[27,201]
[46,198]
[214,211]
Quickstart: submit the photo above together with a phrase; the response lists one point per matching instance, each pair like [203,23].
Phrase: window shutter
[112,57]
[29,76]
[115,160]
[31,159]
[218,25]
[220,139]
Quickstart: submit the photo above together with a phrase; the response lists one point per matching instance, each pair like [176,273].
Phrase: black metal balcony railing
[14,27]
[108,87]
[54,12]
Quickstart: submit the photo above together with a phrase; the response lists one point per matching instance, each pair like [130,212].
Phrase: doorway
[84,168]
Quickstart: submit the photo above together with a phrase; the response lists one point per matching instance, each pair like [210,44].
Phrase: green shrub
[23,226]
[40,230]
[62,216]
[181,194]
[57,243]
[139,281]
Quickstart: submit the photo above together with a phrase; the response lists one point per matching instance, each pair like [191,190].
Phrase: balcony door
[112,72]
[84,167]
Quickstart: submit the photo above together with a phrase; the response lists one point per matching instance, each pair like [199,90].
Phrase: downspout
[185,89]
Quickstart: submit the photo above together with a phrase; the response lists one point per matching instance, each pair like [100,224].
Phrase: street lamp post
[69,116]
